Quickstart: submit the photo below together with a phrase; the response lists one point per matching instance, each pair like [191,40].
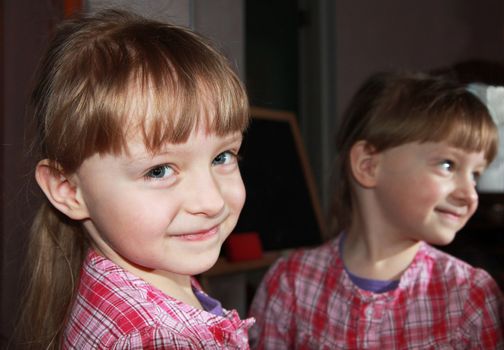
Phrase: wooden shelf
[224,267]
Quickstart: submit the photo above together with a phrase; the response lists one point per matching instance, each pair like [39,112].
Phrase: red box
[243,246]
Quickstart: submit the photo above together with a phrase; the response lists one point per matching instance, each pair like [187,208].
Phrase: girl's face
[168,213]
[426,191]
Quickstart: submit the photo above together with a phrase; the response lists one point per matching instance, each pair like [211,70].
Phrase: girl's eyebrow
[483,164]
[145,157]
[235,137]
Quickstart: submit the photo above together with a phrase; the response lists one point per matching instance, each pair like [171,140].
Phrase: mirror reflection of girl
[409,153]
[139,127]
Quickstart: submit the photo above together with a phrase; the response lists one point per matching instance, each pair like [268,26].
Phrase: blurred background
[305,58]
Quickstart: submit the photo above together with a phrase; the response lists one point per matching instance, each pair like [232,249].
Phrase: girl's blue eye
[223,158]
[447,165]
[160,172]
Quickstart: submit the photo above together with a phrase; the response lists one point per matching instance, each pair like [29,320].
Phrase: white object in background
[492,179]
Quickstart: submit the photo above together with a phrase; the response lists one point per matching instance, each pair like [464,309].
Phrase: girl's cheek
[239,193]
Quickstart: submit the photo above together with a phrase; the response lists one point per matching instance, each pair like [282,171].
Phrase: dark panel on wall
[282,204]
[272,53]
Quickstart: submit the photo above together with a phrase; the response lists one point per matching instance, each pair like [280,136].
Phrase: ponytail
[55,254]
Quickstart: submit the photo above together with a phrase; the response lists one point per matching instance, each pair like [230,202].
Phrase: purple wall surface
[26,25]
[424,35]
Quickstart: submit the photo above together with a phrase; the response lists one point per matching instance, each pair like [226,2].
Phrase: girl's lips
[199,236]
[452,215]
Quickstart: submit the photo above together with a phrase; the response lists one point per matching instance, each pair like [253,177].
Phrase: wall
[25,27]
[220,20]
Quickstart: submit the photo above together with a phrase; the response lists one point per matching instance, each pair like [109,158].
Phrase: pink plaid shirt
[307,301]
[114,309]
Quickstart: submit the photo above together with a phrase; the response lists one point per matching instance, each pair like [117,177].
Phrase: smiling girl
[409,153]
[139,127]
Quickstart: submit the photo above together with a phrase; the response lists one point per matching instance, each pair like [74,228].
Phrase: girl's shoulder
[109,294]
[305,256]
[114,306]
[451,265]
[436,266]
[105,280]
[308,263]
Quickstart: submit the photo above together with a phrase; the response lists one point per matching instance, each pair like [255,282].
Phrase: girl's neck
[178,287]
[174,285]
[369,253]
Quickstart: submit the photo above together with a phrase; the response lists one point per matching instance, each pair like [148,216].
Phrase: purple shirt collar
[209,304]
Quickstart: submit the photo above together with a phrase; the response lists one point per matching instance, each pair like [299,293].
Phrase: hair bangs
[472,133]
[138,78]
[179,83]
[460,120]
[166,108]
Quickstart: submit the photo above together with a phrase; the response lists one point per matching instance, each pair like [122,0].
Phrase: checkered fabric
[116,310]
[307,301]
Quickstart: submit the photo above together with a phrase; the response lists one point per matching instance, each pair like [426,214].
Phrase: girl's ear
[363,163]
[60,190]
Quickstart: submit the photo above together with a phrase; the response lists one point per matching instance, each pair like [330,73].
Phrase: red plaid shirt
[116,310]
[307,301]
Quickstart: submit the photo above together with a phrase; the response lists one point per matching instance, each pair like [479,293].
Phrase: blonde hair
[391,109]
[105,77]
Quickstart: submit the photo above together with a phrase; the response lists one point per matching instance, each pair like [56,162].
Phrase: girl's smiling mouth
[451,214]
[199,236]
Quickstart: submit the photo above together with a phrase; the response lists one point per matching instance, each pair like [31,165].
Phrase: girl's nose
[465,191]
[204,195]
